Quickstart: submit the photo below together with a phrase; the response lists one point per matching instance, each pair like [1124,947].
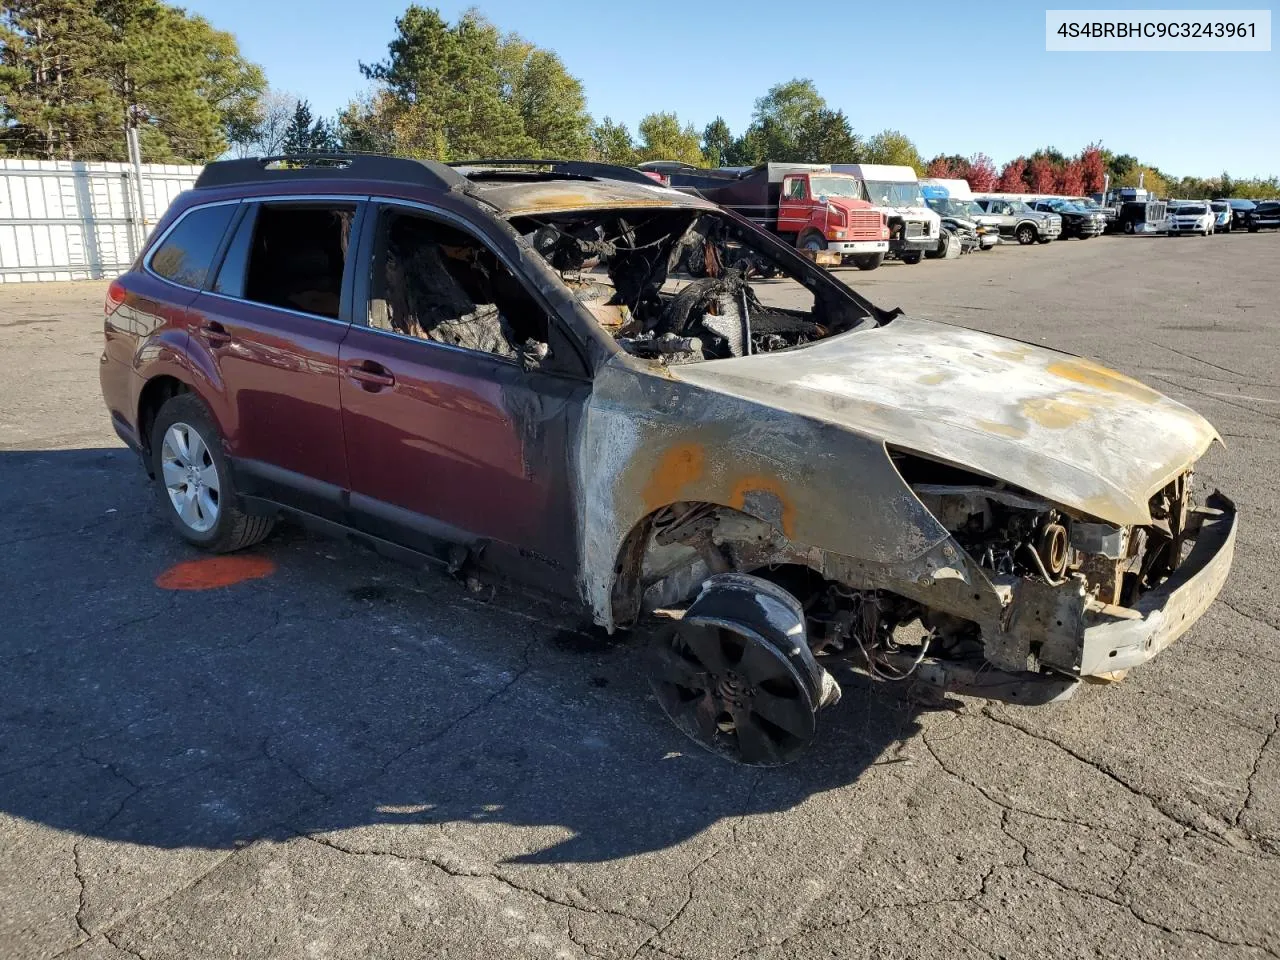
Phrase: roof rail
[328,166]
[569,168]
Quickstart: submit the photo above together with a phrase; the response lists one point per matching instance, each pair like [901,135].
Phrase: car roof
[511,187]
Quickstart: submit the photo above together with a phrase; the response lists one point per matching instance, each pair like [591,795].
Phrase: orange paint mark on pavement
[211,573]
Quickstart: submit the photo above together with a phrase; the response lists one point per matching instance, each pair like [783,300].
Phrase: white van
[914,229]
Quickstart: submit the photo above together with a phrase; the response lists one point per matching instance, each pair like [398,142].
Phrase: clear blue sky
[884,64]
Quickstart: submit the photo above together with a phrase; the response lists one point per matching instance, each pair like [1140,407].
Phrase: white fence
[67,220]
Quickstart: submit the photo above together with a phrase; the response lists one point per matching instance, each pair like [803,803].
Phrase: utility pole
[134,149]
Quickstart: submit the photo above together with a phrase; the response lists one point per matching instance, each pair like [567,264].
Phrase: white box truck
[914,229]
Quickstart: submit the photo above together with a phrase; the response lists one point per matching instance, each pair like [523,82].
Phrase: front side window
[297,256]
[187,253]
[435,282]
[795,189]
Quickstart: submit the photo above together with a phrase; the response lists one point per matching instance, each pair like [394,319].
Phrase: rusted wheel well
[154,395]
[682,540]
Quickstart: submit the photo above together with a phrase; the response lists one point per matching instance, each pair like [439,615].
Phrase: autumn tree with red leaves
[1013,176]
[1093,169]
[982,173]
[1071,179]
[1041,175]
[940,167]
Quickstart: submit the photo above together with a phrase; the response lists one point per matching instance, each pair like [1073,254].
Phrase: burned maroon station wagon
[567,374]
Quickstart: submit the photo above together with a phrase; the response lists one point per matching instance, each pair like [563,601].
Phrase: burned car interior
[681,285]
[433,281]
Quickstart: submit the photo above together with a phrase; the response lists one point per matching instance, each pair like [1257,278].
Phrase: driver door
[449,437]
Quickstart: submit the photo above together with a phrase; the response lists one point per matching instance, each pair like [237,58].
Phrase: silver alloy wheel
[190,477]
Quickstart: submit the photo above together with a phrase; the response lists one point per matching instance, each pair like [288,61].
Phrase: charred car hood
[1072,431]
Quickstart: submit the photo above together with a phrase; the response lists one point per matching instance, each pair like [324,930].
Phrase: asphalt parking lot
[346,757]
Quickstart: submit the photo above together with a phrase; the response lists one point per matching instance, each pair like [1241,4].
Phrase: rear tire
[1128,226]
[193,483]
[868,261]
[911,256]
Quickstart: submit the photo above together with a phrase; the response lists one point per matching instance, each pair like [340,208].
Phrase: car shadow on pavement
[343,691]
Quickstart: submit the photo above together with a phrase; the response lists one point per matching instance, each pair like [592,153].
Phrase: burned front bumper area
[1050,637]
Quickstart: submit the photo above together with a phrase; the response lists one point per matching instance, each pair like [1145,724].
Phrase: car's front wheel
[1026,234]
[193,484]
[911,256]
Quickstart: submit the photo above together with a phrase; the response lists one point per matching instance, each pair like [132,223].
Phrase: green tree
[551,102]
[792,123]
[305,135]
[716,142]
[611,143]
[448,97]
[892,147]
[663,138]
[71,69]
[826,136]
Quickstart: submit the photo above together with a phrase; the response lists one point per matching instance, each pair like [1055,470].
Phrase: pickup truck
[807,204]
[1077,221]
[1019,222]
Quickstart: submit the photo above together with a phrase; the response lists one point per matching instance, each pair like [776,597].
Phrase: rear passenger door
[267,334]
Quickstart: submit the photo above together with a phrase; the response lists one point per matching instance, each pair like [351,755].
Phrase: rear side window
[187,253]
[297,256]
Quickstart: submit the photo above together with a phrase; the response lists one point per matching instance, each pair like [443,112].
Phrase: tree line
[74,72]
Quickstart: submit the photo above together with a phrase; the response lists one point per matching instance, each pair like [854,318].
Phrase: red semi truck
[806,203]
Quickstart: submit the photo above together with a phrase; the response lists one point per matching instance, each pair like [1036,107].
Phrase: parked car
[1191,216]
[1239,211]
[1076,220]
[1221,216]
[1020,222]
[1264,216]
[1109,212]
[487,364]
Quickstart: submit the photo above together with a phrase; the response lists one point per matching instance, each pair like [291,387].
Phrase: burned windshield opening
[681,285]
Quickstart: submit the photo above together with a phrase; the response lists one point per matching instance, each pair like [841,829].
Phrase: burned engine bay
[1049,573]
[678,285]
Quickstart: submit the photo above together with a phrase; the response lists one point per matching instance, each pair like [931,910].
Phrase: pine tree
[71,69]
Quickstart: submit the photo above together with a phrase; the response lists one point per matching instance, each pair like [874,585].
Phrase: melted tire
[736,675]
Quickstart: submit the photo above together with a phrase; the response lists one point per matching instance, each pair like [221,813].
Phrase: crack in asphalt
[1213,396]
[80,907]
[1155,804]
[1248,616]
[456,871]
[1253,773]
[1115,898]
[1007,805]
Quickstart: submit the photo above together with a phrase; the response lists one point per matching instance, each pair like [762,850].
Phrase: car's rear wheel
[193,484]
[1128,226]
[1026,234]
[735,674]
[911,256]
[868,261]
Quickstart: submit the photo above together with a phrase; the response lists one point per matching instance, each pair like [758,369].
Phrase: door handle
[371,375]
[215,334]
